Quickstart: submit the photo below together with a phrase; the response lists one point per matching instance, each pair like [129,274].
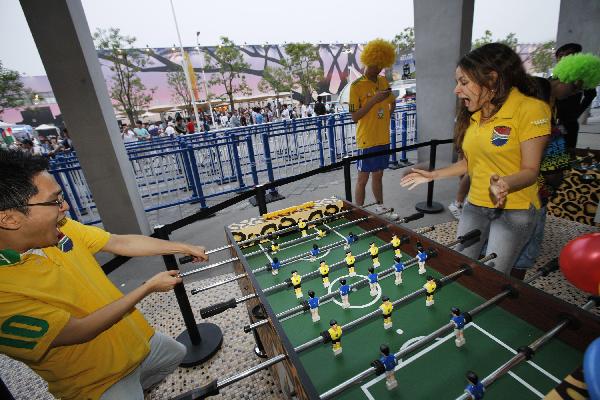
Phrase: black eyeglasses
[58,202]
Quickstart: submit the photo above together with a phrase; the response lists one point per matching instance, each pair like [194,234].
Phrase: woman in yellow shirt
[502,132]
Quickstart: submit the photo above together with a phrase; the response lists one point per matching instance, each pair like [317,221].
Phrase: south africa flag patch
[500,135]
[65,244]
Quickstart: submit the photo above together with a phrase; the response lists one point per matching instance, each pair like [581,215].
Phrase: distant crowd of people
[231,119]
[48,145]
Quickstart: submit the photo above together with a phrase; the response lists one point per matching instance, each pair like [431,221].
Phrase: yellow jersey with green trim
[40,293]
[430,287]
[296,280]
[374,250]
[373,129]
[386,308]
[495,148]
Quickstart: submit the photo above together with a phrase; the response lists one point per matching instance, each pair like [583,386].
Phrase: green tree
[302,63]
[510,40]
[12,92]
[229,62]
[542,58]
[405,41]
[275,80]
[180,93]
[126,89]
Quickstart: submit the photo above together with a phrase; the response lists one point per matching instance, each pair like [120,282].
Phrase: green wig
[584,67]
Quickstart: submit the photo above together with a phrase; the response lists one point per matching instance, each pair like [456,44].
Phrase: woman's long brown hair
[478,65]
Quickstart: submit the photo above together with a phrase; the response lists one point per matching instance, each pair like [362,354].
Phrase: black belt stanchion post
[430,206]
[201,340]
[347,179]
[261,199]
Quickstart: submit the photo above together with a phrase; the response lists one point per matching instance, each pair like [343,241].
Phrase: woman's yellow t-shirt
[495,148]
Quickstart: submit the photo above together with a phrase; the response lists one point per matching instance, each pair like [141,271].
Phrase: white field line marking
[527,385]
[334,231]
[321,255]
[266,252]
[534,365]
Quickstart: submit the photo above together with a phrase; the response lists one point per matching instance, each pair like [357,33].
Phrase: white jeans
[165,355]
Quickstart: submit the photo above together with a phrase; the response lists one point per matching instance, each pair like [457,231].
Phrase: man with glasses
[59,313]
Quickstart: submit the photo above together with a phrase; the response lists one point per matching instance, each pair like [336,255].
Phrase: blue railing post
[320,141]
[186,156]
[331,139]
[252,159]
[295,137]
[195,175]
[186,167]
[267,155]
[394,161]
[404,136]
[236,159]
[57,177]
[343,125]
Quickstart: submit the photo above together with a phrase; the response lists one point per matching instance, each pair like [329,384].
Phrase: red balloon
[580,262]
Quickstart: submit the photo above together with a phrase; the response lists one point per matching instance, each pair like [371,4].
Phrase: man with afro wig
[371,105]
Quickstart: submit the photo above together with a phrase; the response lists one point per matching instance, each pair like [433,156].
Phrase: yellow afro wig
[378,52]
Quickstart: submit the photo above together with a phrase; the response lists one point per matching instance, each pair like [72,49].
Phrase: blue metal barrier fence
[196,168]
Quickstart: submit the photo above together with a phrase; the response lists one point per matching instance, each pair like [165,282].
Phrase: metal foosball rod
[240,276]
[465,269]
[218,308]
[543,271]
[525,353]
[284,245]
[304,307]
[187,259]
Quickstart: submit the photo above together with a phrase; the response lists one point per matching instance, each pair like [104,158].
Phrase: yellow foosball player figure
[430,287]
[396,242]
[274,247]
[374,250]
[335,334]
[324,271]
[296,279]
[386,308]
[321,232]
[302,227]
[350,260]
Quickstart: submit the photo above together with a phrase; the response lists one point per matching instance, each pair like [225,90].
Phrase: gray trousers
[165,355]
[506,231]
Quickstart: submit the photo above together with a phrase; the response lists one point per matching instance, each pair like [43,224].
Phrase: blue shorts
[377,163]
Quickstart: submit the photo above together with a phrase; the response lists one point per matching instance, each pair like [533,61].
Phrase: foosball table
[346,304]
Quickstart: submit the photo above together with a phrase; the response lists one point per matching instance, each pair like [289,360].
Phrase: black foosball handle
[471,235]
[203,392]
[413,217]
[185,259]
[550,266]
[218,308]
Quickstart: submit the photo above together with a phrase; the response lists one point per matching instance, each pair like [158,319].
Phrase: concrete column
[443,32]
[63,39]
[579,22]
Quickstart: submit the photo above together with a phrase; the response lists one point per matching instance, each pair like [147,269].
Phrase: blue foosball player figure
[344,293]
[274,247]
[296,282]
[422,256]
[324,271]
[314,252]
[475,389]
[275,266]
[459,322]
[386,363]
[313,303]
[350,263]
[351,238]
[373,278]
[398,268]
[374,250]
[430,287]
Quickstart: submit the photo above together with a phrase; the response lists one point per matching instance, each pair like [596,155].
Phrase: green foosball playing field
[433,371]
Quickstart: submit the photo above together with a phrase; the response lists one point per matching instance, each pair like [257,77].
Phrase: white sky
[151,22]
